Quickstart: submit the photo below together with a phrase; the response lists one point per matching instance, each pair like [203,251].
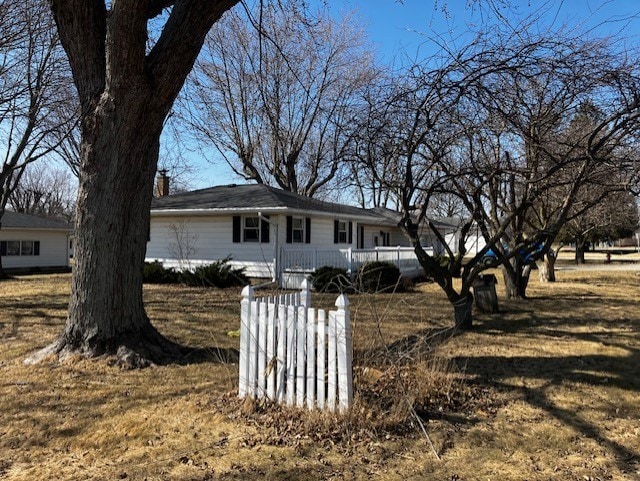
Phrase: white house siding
[187,242]
[205,239]
[53,248]
[371,232]
[474,242]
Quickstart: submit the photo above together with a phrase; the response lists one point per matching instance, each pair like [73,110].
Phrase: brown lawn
[547,389]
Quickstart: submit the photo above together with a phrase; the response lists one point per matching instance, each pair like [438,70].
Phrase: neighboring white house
[29,242]
[474,241]
[272,233]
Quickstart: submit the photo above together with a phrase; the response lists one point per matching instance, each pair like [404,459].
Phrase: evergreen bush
[219,274]
[379,276]
[331,279]
[155,273]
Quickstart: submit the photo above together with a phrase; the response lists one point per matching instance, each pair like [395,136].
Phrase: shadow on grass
[596,370]
[405,350]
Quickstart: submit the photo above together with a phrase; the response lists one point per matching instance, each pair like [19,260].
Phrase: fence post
[245,319]
[345,355]
[305,293]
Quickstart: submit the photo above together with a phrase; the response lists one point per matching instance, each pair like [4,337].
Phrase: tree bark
[516,280]
[547,269]
[106,311]
[580,248]
[463,312]
[125,94]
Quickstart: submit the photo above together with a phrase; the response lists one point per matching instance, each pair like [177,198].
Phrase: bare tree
[613,217]
[126,86]
[45,191]
[276,93]
[34,91]
[485,128]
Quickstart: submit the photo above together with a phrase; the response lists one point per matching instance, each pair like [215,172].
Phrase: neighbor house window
[19,248]
[13,248]
[26,248]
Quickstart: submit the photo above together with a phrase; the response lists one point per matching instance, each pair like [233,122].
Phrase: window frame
[13,252]
[300,230]
[246,228]
[342,240]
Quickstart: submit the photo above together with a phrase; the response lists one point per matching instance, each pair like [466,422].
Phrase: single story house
[272,233]
[30,242]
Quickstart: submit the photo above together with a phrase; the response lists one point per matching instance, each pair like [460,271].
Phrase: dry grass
[546,389]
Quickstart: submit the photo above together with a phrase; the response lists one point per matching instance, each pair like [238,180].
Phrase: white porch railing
[294,354]
[308,260]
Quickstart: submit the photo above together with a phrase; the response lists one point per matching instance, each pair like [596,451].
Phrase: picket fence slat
[331,362]
[293,353]
[311,356]
[291,358]
[321,365]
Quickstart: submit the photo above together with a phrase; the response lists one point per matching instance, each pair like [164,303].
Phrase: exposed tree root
[134,352]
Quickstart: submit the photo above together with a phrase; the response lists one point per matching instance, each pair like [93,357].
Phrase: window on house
[297,229]
[19,248]
[26,248]
[342,232]
[251,231]
[13,248]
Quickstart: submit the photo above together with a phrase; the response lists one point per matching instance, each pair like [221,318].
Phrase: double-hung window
[251,229]
[342,231]
[297,230]
[13,248]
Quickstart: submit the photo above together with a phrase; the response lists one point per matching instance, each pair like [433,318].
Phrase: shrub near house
[220,274]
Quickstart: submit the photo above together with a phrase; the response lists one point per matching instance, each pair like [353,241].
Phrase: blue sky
[396,26]
[403,28]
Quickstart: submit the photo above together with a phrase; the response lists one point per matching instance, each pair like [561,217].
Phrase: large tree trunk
[547,268]
[106,312]
[580,248]
[126,90]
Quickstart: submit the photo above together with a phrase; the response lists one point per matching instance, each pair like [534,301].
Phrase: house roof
[17,220]
[252,197]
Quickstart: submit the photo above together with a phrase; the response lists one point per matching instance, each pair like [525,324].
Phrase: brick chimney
[162,186]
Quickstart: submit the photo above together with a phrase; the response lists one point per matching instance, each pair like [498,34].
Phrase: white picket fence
[294,354]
